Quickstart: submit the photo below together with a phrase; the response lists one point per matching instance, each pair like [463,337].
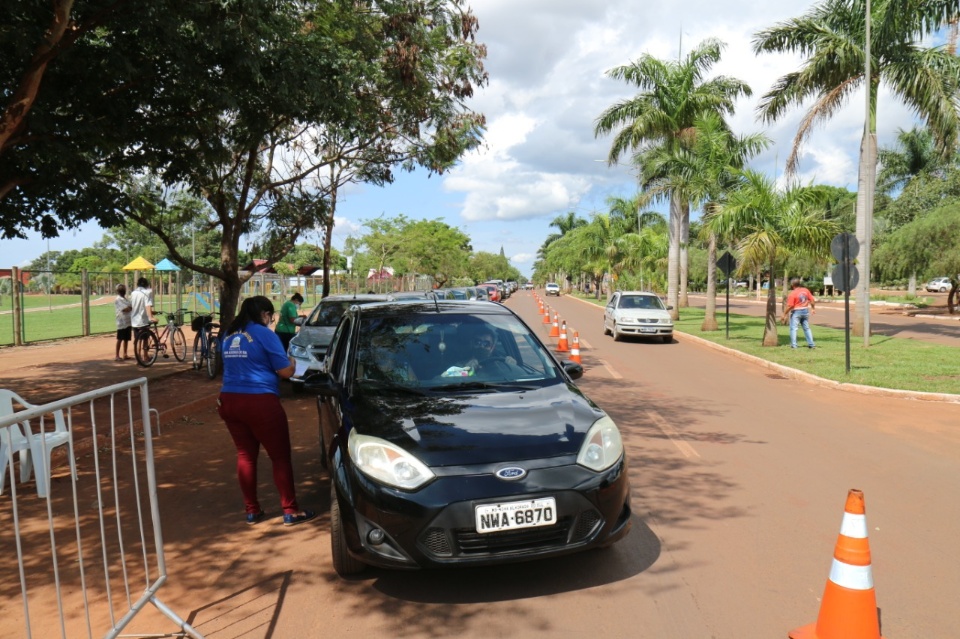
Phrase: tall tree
[771,224]
[673,94]
[832,38]
[704,174]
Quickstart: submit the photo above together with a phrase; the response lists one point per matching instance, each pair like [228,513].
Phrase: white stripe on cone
[854,526]
[852,577]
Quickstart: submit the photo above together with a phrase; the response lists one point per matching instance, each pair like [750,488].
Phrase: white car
[637,313]
[552,289]
[939,285]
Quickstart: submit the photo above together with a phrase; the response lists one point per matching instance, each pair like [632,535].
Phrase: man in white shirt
[122,310]
[141,301]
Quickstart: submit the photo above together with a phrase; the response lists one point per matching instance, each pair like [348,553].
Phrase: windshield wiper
[388,385]
[475,385]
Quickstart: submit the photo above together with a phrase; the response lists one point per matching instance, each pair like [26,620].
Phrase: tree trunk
[865,187]
[770,337]
[912,285]
[710,318]
[684,253]
[673,259]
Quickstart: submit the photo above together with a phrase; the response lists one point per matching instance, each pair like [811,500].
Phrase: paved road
[739,479]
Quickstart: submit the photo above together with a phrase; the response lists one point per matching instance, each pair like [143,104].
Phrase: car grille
[474,543]
[586,524]
[641,320]
[435,540]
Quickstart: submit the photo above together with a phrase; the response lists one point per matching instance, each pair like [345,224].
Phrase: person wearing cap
[800,304]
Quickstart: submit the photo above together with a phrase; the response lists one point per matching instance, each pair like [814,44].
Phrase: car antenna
[436,304]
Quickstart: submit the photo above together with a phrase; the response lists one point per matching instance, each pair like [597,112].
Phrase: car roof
[638,293]
[364,297]
[380,309]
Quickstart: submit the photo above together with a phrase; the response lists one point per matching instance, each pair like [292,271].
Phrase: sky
[547,62]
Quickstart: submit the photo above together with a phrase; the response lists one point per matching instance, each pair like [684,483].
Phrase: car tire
[343,562]
[617,336]
[606,331]
[943,289]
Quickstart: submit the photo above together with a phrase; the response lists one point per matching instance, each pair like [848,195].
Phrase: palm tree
[672,95]
[772,224]
[832,36]
[703,175]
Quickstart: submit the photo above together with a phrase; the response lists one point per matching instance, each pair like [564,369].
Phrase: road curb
[793,373]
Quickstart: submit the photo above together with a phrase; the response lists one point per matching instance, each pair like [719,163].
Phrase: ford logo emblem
[511,473]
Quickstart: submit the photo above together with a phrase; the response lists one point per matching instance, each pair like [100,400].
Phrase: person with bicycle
[122,310]
[141,303]
[254,362]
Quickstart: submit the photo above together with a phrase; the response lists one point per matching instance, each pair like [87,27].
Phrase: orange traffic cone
[575,349]
[849,606]
[546,314]
[563,346]
[555,329]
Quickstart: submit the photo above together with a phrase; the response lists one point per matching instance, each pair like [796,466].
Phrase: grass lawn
[59,323]
[889,362]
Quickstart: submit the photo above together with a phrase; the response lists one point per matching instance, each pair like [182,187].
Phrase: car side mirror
[669,308]
[321,384]
[299,320]
[574,370]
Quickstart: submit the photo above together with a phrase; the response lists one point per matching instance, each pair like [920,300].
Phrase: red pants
[254,420]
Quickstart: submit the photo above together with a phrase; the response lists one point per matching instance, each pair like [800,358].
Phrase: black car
[453,437]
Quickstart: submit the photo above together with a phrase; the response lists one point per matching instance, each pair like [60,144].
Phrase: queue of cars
[453,436]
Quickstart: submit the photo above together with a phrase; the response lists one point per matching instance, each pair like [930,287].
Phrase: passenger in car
[384,360]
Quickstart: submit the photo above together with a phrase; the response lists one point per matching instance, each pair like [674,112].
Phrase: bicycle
[206,345]
[151,343]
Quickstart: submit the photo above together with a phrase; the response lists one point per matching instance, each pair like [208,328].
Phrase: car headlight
[602,447]
[625,320]
[387,463]
[300,352]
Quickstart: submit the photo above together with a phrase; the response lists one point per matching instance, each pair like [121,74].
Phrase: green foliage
[927,245]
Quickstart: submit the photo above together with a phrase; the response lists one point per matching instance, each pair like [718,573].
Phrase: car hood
[314,336]
[477,427]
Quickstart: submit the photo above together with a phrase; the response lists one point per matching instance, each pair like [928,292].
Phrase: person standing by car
[254,362]
[800,304]
[123,309]
[141,303]
[286,325]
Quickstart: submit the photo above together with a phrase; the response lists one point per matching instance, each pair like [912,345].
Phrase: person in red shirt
[800,304]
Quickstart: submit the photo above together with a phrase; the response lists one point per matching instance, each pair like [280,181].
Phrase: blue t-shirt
[251,359]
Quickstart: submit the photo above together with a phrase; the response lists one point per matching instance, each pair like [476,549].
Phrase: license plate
[516,514]
[648,330]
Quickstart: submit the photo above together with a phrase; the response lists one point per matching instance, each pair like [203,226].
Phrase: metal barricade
[84,550]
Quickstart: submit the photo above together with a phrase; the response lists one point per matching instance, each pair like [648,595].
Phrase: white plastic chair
[31,446]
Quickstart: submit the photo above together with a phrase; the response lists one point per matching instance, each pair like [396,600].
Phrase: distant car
[493,291]
[528,286]
[637,313]
[442,454]
[939,285]
[552,288]
[309,346]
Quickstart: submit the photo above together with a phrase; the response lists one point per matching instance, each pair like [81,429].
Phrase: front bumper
[435,526]
[645,330]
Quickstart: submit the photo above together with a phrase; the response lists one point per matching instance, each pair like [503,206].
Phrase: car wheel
[343,562]
[617,337]
[943,289]
[667,339]
[606,331]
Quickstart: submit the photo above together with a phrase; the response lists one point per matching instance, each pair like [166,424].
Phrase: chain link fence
[41,305]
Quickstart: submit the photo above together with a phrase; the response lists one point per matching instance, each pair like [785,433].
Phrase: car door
[609,313]
[337,366]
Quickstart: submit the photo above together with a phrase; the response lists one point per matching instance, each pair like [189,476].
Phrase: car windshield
[641,301]
[451,352]
[328,313]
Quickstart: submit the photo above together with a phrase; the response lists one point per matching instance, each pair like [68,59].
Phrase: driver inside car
[483,350]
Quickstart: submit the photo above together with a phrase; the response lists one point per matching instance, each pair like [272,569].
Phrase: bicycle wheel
[213,356]
[198,356]
[146,348]
[178,343]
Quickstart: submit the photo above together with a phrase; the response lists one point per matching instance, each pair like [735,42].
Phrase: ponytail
[251,310]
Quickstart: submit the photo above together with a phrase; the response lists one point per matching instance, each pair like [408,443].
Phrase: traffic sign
[836,246]
[727,263]
[845,276]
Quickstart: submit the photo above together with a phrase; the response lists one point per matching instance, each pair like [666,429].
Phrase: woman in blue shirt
[254,362]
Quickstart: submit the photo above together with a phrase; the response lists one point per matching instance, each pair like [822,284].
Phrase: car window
[328,313]
[339,347]
[437,351]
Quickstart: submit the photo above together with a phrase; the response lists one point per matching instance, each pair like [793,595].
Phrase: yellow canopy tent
[139,264]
